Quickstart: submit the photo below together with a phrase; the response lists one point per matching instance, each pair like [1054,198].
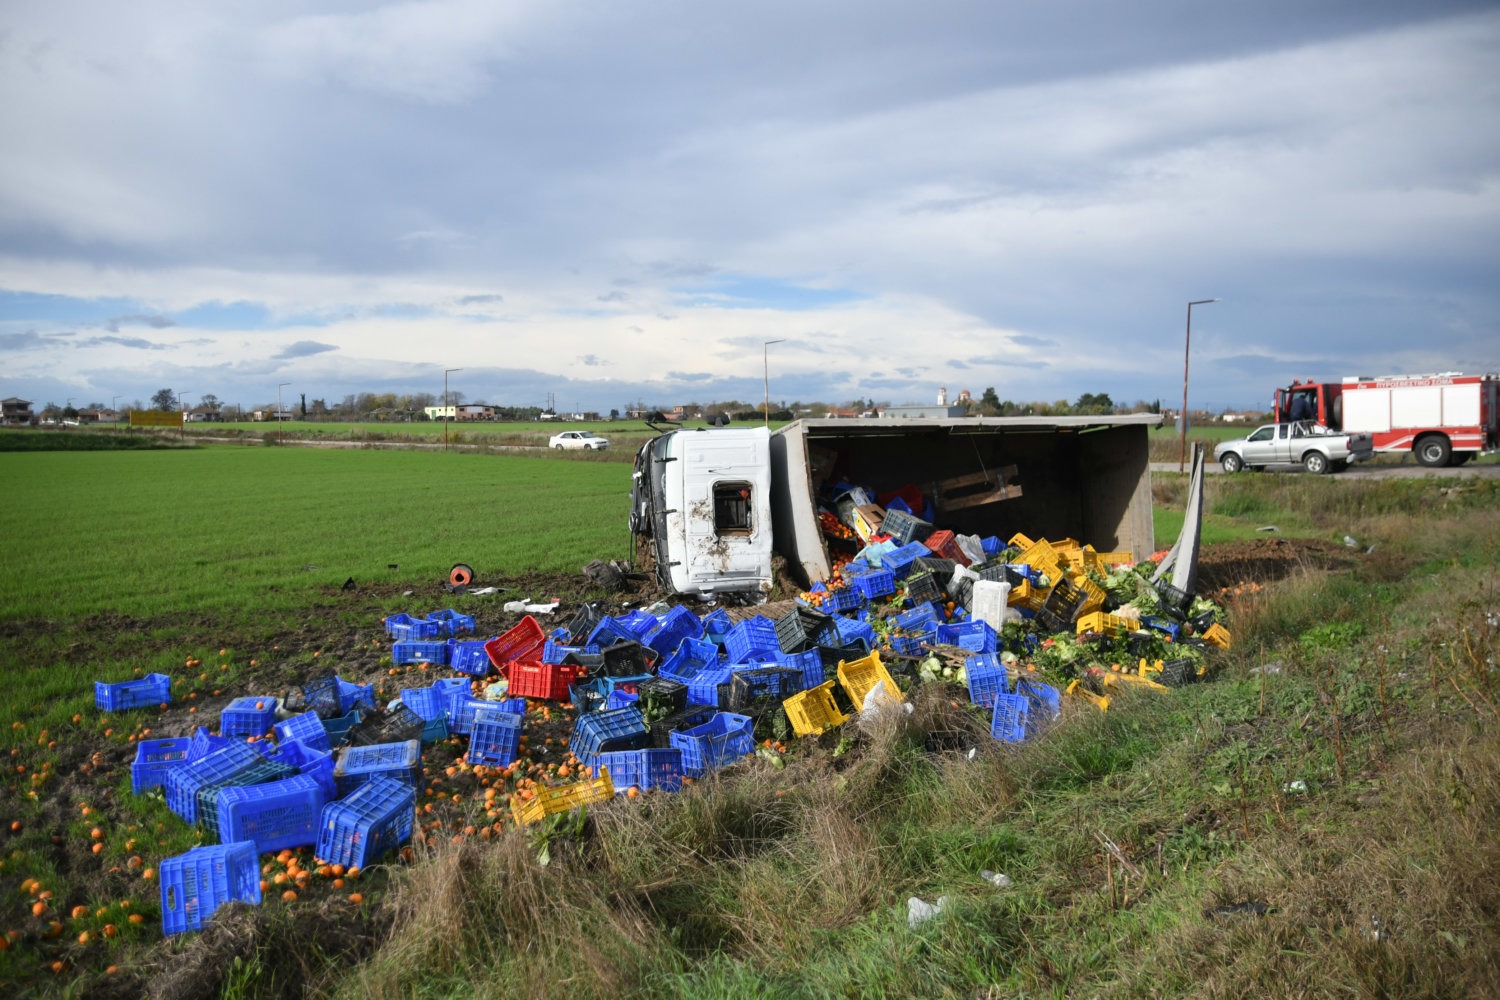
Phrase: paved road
[1366,471]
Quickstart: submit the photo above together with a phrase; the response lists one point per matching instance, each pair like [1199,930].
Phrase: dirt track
[1367,472]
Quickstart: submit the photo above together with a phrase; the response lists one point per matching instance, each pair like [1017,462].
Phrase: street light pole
[765,363]
[1186,351]
[279,435]
[446,404]
[114,412]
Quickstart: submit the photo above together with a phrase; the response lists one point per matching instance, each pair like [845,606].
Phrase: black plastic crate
[768,684]
[690,716]
[1175,673]
[584,621]
[659,697]
[801,629]
[905,528]
[1173,599]
[626,659]
[831,655]
[923,587]
[1202,623]
[587,696]
[934,564]
[395,726]
[1063,603]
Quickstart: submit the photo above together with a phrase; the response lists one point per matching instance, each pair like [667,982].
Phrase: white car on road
[587,440]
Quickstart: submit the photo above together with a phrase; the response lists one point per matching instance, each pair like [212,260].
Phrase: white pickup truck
[1304,443]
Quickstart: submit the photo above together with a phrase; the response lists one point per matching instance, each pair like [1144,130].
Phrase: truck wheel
[1315,462]
[1231,462]
[1433,451]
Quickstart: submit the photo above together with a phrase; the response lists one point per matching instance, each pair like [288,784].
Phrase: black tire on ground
[1433,451]
[1231,462]
[1315,462]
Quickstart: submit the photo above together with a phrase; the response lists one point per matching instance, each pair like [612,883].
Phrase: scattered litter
[1298,786]
[1249,908]
[1350,541]
[1376,931]
[918,911]
[349,584]
[1267,669]
[996,879]
[484,591]
[1269,527]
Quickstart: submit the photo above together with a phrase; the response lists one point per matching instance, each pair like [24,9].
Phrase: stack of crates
[611,729]
[393,761]
[154,758]
[643,769]
[813,712]
[258,774]
[153,689]
[183,784]
[274,815]
[371,821]
[195,884]
[719,741]
[248,716]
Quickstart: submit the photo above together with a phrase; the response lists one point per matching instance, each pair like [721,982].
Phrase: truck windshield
[731,508]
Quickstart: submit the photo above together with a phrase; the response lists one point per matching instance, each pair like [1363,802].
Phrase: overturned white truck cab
[710,507]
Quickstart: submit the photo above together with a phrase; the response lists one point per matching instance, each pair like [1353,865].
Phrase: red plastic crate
[942,543]
[524,642]
[535,679]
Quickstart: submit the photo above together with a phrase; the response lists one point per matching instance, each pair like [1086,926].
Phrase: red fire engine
[1444,419]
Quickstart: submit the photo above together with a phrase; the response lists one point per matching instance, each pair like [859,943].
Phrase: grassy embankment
[1341,806]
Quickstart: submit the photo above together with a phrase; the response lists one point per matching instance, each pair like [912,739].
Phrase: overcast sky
[609,201]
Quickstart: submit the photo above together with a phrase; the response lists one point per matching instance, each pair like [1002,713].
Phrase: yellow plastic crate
[1099,701]
[1029,596]
[1107,624]
[562,798]
[859,677]
[1107,561]
[1217,635]
[813,712]
[1020,541]
[1096,594]
[1132,680]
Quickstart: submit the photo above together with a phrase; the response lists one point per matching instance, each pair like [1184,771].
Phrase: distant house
[260,416]
[16,411]
[202,415]
[918,412]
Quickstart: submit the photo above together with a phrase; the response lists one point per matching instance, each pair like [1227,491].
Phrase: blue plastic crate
[620,698]
[260,773]
[306,728]
[311,761]
[992,545]
[202,743]
[975,636]
[405,628]
[643,769]
[154,758]
[716,626]
[673,627]
[721,740]
[195,884]
[987,678]
[703,688]
[153,689]
[248,716]
[809,664]
[608,632]
[182,784]
[919,618]
[375,819]
[461,709]
[692,657]
[554,651]
[899,561]
[338,729]
[496,739]
[639,623]
[587,696]
[334,696]
[749,686]
[469,657]
[878,583]
[620,729]
[1045,701]
[853,630]
[750,638]
[425,701]
[397,761]
[275,815]
[909,645]
[445,686]
[612,684]
[451,622]
[843,599]
[1009,721]
[434,651]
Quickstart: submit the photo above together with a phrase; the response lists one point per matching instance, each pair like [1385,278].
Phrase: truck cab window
[732,508]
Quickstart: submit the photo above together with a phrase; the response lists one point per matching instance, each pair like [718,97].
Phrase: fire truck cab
[1445,418]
